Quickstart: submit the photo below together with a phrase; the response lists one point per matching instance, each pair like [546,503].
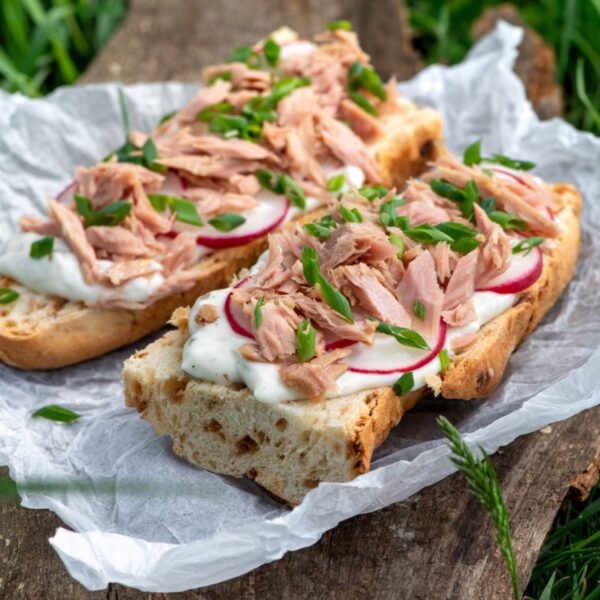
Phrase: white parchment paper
[190,528]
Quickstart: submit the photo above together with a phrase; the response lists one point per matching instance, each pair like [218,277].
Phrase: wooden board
[437,544]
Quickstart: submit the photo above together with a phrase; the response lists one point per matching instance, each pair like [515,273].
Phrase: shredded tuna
[235,148]
[462,282]
[180,253]
[220,167]
[276,335]
[207,313]
[461,315]
[212,203]
[313,378]
[445,260]
[363,124]
[120,272]
[116,240]
[495,252]
[206,96]
[35,224]
[419,284]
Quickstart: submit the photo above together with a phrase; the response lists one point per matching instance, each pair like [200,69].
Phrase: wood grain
[437,544]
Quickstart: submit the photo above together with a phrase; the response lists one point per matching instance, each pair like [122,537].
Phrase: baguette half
[39,331]
[289,447]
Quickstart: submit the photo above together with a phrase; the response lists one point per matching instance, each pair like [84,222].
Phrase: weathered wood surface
[438,544]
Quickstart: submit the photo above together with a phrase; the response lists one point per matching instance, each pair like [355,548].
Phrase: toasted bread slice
[45,332]
[290,447]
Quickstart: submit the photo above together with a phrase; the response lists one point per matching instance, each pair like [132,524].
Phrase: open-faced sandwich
[295,374]
[277,130]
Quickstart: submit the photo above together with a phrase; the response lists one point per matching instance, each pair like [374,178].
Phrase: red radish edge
[66,192]
[434,352]
[522,283]
[336,344]
[233,323]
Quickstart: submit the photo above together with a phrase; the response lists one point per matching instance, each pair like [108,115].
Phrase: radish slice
[341,343]
[267,216]
[523,272]
[386,356]
[237,320]
[66,196]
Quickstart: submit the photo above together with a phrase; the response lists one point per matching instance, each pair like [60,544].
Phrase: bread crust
[71,333]
[187,410]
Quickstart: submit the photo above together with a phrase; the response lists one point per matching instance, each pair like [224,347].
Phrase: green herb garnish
[110,215]
[403,335]
[167,117]
[350,215]
[282,184]
[444,359]
[227,221]
[185,210]
[332,296]
[210,112]
[362,101]
[258,316]
[42,247]
[54,412]
[419,310]
[306,340]
[508,221]
[7,295]
[427,234]
[373,192]
[245,54]
[483,484]
[360,76]
[399,243]
[321,229]
[336,183]
[388,215]
[339,24]
[527,245]
[404,384]
[271,52]
[465,198]
[225,76]
[472,156]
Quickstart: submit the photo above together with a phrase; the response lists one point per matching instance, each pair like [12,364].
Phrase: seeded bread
[45,332]
[290,447]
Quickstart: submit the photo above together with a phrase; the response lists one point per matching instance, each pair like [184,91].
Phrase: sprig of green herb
[472,156]
[54,412]
[483,484]
[258,316]
[227,221]
[404,384]
[110,215]
[306,340]
[184,210]
[7,295]
[42,247]
[527,245]
[321,229]
[282,184]
[403,335]
[332,296]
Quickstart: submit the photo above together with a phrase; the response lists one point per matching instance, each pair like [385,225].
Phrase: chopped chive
[404,384]
[54,412]
[306,340]
[403,335]
[167,117]
[472,155]
[528,245]
[444,359]
[399,243]
[340,24]
[258,316]
[508,221]
[373,192]
[109,215]
[271,52]
[227,221]
[7,295]
[42,247]
[350,215]
[336,182]
[321,229]
[185,210]
[363,102]
[419,310]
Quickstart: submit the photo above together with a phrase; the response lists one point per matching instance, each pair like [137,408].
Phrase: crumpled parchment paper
[186,527]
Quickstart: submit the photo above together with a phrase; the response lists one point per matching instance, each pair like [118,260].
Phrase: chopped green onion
[227,221]
[54,412]
[419,310]
[245,54]
[373,192]
[508,221]
[7,295]
[258,316]
[466,197]
[185,210]
[306,340]
[472,156]
[528,245]
[488,204]
[363,102]
[210,112]
[427,234]
[336,183]
[42,247]
[110,215]
[388,215]
[225,76]
[404,384]
[404,336]
[321,229]
[360,76]
[332,296]
[167,117]
[444,359]
[284,185]
[350,215]
[284,87]
[271,52]
[399,243]
[340,24]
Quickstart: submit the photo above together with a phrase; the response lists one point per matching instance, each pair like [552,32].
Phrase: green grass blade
[17,80]
[582,93]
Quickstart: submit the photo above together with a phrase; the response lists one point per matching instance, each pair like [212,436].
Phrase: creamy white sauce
[212,353]
[59,274]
